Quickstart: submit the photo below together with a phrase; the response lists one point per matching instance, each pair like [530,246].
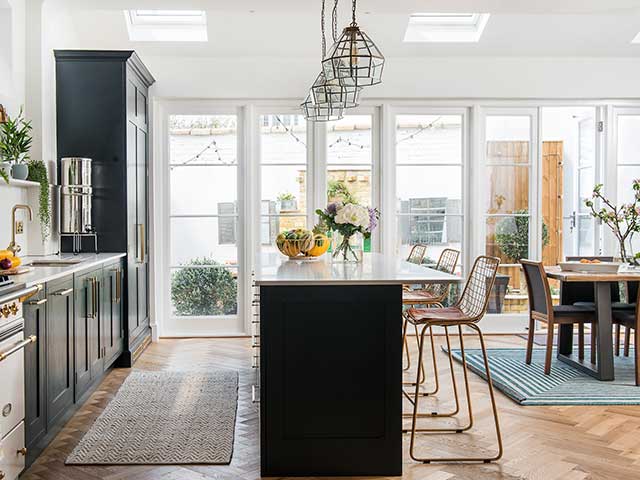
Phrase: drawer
[12,391]
[12,454]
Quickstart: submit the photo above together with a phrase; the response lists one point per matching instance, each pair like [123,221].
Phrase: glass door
[204,234]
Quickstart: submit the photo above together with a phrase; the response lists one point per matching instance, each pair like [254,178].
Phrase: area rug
[168,417]
[528,385]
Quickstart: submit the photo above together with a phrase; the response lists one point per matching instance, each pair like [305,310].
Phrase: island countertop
[376,269]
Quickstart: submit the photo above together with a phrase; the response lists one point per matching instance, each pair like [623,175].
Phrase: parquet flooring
[545,443]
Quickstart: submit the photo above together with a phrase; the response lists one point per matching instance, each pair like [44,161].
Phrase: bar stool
[416,255]
[431,296]
[468,311]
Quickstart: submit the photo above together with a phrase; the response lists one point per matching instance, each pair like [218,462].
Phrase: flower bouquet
[350,224]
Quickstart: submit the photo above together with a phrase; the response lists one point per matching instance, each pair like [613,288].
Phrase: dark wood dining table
[603,368]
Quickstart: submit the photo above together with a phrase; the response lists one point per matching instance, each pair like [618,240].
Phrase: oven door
[12,380]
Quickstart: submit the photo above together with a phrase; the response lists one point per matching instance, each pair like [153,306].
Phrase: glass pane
[207,139]
[203,190]
[428,139]
[508,139]
[349,140]
[626,175]
[421,189]
[348,184]
[628,139]
[284,187]
[507,237]
[204,291]
[283,139]
[436,231]
[195,239]
[586,183]
[585,235]
[507,190]
[271,226]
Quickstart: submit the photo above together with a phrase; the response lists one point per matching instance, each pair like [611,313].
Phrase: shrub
[204,291]
[512,235]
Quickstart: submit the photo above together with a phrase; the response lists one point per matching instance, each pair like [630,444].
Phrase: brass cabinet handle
[94,297]
[37,302]
[141,242]
[22,451]
[118,274]
[18,346]
[62,293]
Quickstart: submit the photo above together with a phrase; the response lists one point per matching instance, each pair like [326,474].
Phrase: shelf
[19,183]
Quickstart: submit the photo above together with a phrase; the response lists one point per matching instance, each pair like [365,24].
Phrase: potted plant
[287,202]
[15,143]
[38,173]
[623,220]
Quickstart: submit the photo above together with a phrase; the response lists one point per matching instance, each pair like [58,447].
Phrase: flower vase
[347,248]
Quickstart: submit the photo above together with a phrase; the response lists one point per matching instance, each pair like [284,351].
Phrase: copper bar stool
[468,311]
[416,255]
[431,296]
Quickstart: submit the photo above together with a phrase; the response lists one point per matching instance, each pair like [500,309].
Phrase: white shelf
[19,183]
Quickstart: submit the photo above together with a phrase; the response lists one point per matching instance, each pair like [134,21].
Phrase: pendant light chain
[334,22]
[353,14]
[324,40]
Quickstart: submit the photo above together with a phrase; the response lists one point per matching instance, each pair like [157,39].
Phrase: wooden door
[59,364]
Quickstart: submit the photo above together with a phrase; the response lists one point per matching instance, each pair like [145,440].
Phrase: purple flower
[373,218]
[332,209]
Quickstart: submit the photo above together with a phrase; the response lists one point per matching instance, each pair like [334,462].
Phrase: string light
[348,142]
[421,129]
[288,130]
[213,145]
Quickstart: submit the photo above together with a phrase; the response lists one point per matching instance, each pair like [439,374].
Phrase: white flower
[355,215]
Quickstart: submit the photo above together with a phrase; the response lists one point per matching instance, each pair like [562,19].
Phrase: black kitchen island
[331,364]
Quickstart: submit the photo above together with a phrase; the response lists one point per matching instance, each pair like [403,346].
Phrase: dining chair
[629,306]
[541,309]
[630,319]
[430,296]
[417,253]
[468,311]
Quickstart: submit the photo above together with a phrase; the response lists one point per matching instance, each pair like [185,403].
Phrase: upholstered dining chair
[630,306]
[541,309]
[431,296]
[467,312]
[630,319]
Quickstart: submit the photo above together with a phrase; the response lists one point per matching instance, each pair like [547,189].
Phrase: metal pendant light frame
[321,113]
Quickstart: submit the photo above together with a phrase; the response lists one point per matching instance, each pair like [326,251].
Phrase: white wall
[426,77]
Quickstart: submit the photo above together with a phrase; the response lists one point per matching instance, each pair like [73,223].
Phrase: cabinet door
[97,326]
[86,332]
[59,348]
[113,331]
[35,323]
[143,216]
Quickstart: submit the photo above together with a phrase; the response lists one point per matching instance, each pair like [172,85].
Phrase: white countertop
[376,269]
[42,274]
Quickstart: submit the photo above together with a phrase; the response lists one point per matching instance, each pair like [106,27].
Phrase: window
[429,179]
[445,27]
[203,219]
[628,162]
[283,176]
[166,25]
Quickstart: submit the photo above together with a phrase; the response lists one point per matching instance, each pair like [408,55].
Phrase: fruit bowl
[301,244]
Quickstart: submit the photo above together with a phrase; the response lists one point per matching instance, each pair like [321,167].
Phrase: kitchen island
[331,364]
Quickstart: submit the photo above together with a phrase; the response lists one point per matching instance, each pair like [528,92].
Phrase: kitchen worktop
[376,269]
[43,274]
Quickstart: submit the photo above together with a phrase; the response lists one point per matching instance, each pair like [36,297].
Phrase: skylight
[166,25]
[445,27]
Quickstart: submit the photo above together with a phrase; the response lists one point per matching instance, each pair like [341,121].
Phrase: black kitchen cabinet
[102,113]
[59,348]
[89,355]
[35,323]
[112,314]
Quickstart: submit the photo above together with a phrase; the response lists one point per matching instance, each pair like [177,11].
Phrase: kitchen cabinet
[102,112]
[112,314]
[89,355]
[58,341]
[35,382]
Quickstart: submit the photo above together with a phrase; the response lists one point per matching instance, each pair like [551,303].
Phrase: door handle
[94,296]
[18,346]
[141,242]
[118,293]
[63,293]
[37,302]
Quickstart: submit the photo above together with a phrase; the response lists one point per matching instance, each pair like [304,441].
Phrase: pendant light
[354,60]
[321,113]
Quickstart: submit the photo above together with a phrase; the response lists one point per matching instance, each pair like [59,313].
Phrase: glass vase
[347,248]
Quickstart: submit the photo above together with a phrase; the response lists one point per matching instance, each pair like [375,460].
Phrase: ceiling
[250,28]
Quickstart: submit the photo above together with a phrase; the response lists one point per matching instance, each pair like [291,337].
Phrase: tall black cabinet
[103,114]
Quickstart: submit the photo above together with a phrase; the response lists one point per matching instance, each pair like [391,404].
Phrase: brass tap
[13,246]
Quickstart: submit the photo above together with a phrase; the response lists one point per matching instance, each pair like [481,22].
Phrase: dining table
[603,369]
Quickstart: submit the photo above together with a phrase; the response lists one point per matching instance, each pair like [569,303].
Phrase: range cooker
[12,405]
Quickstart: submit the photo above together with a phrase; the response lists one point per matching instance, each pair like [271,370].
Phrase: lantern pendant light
[321,113]
[354,60]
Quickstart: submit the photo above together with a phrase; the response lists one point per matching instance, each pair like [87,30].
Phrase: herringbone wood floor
[546,443]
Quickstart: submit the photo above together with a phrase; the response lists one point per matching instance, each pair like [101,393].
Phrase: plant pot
[288,205]
[20,171]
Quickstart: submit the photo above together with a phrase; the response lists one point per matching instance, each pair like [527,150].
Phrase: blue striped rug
[528,385]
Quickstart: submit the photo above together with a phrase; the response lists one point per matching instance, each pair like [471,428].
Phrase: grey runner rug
[168,417]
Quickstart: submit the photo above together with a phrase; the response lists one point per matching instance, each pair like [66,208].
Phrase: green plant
[338,191]
[15,139]
[38,173]
[623,220]
[204,291]
[283,197]
[512,235]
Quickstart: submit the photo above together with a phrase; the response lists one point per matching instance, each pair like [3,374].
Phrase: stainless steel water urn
[75,195]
